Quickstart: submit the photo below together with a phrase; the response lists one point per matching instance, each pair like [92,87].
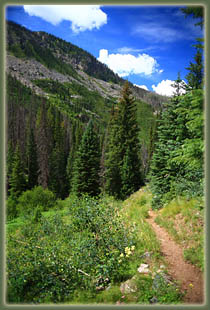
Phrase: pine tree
[196,12]
[177,163]
[196,72]
[113,161]
[76,134]
[179,86]
[17,180]
[43,148]
[9,164]
[123,149]
[32,162]
[87,164]
[57,160]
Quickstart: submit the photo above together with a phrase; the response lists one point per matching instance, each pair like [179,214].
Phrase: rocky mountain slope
[37,55]
[53,89]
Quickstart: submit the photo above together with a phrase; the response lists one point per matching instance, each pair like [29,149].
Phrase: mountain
[53,89]
[39,55]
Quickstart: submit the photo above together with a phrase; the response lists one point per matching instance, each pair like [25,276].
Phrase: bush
[11,208]
[37,197]
[50,259]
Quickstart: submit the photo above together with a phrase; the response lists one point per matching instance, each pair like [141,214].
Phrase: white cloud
[126,64]
[82,17]
[165,88]
[141,86]
[125,49]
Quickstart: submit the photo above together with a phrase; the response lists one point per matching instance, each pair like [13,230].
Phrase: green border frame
[3,4]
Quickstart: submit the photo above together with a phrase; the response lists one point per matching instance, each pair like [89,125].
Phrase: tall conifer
[17,180]
[123,156]
[32,161]
[87,164]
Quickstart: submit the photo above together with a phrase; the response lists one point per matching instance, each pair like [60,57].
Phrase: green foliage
[17,180]
[196,72]
[32,161]
[59,257]
[11,207]
[44,47]
[87,164]
[122,173]
[195,12]
[184,220]
[177,164]
[37,197]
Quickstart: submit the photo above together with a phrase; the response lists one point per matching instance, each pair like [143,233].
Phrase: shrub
[31,199]
[50,259]
[11,208]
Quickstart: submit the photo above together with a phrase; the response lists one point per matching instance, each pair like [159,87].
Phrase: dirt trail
[185,273]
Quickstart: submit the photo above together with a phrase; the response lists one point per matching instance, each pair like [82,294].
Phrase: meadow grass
[184,220]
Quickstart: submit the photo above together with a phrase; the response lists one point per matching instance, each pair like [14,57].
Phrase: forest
[82,173]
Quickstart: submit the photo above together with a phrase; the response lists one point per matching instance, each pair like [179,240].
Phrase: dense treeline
[39,139]
[54,143]
[64,142]
[177,167]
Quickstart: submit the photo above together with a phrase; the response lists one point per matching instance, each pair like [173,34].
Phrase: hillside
[38,55]
[104,181]
[51,83]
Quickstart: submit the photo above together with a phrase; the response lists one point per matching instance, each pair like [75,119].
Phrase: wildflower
[121,255]
[127,251]
[191,285]
[133,247]
[120,261]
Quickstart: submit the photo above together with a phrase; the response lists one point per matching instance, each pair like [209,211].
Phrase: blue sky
[148,45]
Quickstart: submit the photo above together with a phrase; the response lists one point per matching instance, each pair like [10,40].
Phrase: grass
[135,210]
[184,220]
[152,287]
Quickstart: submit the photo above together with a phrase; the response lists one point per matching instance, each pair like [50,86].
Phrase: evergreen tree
[177,163]
[17,180]
[43,148]
[74,146]
[113,160]
[57,160]
[195,12]
[196,72]
[32,162]
[9,164]
[123,149]
[179,86]
[127,175]
[87,164]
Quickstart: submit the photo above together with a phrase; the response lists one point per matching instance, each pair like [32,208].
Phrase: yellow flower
[121,255]
[127,249]
[120,261]
[191,285]
[133,247]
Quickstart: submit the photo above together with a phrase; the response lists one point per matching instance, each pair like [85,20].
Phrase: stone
[157,282]
[143,268]
[153,300]
[146,255]
[128,287]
